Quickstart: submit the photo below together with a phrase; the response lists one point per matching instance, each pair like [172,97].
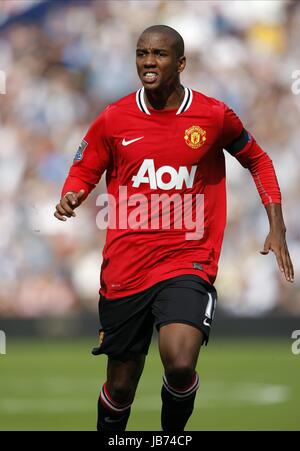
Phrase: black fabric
[111,421]
[175,412]
[239,143]
[126,324]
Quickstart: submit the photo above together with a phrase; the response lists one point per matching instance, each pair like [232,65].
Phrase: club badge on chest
[195,137]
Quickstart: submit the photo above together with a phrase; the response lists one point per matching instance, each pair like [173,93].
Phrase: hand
[276,243]
[67,205]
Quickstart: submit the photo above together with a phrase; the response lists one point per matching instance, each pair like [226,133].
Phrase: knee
[180,373]
[121,391]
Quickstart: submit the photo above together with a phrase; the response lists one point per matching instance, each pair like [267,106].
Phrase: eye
[161,53]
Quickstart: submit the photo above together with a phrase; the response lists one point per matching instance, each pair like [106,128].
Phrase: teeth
[150,74]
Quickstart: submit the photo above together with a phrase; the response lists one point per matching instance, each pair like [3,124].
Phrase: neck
[169,97]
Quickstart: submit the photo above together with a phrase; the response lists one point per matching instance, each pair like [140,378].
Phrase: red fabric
[232,126]
[86,173]
[135,259]
[262,170]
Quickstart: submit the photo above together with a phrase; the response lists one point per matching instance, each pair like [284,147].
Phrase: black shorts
[126,324]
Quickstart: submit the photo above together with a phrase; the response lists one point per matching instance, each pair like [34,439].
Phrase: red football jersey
[165,175]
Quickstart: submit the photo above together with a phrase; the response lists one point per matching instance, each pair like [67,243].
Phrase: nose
[149,60]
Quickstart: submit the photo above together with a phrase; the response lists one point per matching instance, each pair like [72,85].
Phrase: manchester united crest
[195,137]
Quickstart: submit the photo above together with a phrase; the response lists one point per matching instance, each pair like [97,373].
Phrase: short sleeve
[232,127]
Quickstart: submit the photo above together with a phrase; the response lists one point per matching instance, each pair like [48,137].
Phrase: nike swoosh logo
[126,143]
[206,323]
[110,420]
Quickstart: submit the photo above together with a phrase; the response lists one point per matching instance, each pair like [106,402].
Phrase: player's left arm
[239,143]
[276,241]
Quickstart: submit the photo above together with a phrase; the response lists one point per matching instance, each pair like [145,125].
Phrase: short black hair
[165,29]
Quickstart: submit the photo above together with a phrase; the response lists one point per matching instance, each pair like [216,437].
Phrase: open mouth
[150,77]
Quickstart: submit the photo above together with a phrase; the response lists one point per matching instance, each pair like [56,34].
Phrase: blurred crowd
[63,68]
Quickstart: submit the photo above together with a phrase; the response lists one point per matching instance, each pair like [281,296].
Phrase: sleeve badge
[81,149]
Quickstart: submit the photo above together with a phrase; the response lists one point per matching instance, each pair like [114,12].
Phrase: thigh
[179,346]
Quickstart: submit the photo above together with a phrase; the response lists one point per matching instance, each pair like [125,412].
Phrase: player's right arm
[91,160]
[67,205]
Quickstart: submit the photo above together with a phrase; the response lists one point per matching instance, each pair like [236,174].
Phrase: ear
[181,62]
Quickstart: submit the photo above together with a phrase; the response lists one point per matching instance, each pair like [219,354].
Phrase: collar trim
[186,103]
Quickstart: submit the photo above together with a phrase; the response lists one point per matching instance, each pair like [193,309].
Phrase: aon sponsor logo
[176,179]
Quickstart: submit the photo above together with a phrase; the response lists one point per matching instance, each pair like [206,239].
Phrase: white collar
[186,103]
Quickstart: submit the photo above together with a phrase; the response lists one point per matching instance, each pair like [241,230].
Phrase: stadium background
[64,61]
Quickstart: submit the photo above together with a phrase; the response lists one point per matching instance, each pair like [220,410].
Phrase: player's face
[156,61]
